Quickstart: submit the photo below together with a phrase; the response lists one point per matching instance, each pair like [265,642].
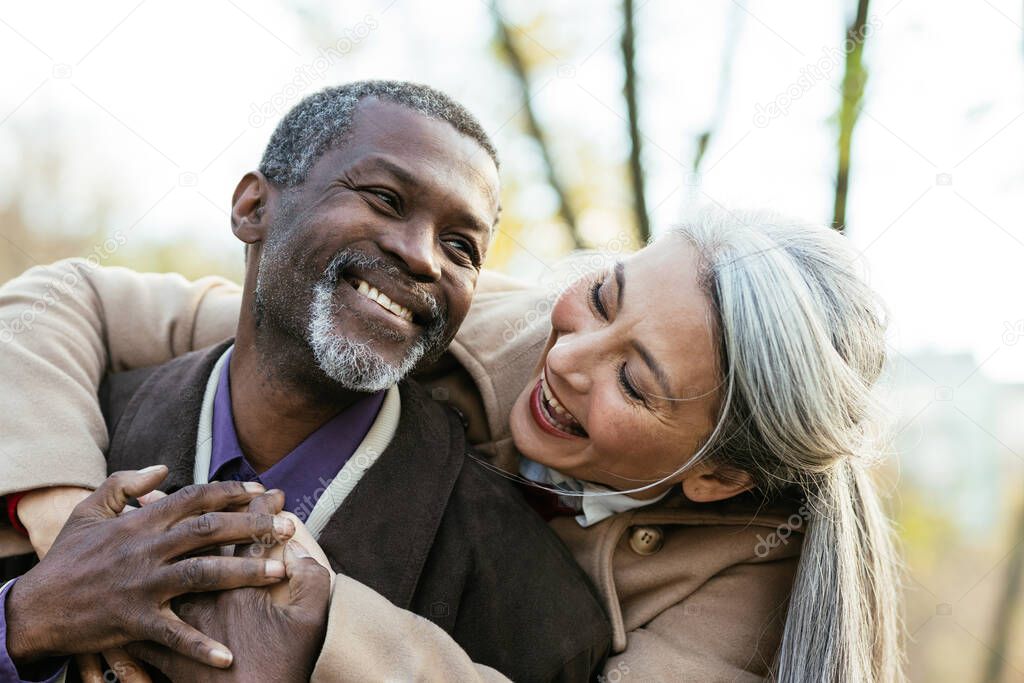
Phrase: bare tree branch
[533,126]
[853,91]
[636,171]
[732,32]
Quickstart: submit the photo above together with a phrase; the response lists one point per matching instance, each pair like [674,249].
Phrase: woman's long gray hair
[802,342]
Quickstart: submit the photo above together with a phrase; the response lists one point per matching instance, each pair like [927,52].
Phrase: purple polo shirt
[303,475]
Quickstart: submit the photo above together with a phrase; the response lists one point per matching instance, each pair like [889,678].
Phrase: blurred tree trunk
[732,34]
[533,127]
[854,79]
[999,643]
[636,170]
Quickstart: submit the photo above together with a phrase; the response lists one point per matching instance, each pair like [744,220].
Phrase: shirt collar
[593,502]
[312,464]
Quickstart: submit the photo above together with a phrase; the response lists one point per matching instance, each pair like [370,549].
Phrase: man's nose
[415,245]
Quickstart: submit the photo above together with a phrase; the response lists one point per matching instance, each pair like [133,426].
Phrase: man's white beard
[353,365]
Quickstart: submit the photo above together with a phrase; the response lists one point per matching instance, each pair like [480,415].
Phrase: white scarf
[592,508]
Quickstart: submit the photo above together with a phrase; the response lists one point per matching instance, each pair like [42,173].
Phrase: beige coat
[694,592]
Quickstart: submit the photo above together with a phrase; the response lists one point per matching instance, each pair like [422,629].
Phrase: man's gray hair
[322,120]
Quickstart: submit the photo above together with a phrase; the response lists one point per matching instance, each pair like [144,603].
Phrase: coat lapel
[383,532]
[160,422]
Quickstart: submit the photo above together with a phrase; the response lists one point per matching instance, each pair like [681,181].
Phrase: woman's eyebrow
[645,355]
[620,283]
[656,370]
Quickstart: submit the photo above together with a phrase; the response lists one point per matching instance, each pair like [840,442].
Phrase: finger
[114,493]
[309,581]
[270,506]
[271,502]
[151,497]
[177,636]
[89,668]
[199,498]
[127,669]
[306,540]
[215,573]
[224,528]
[157,656]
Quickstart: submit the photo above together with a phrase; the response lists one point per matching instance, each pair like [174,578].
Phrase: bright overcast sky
[154,100]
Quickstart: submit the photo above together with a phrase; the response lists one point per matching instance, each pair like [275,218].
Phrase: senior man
[365,228]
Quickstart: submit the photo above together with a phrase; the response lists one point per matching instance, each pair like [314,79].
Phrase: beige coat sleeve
[370,639]
[61,327]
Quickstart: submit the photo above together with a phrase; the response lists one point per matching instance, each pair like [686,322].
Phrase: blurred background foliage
[612,121]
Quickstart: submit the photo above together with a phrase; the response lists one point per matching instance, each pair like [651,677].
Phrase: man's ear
[249,214]
[707,483]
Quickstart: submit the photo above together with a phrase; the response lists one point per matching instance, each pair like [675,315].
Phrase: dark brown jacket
[427,527]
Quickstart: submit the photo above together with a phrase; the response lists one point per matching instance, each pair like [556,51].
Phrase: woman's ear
[249,216]
[707,483]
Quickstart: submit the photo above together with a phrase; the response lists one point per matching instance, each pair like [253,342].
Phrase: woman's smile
[551,415]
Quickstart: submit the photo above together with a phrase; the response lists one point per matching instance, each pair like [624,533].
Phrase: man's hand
[271,642]
[108,580]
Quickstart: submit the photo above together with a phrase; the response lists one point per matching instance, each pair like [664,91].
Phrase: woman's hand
[108,579]
[43,513]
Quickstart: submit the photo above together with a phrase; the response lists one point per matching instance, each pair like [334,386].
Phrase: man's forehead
[414,148]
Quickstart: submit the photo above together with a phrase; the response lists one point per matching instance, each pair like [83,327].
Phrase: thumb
[309,581]
[111,497]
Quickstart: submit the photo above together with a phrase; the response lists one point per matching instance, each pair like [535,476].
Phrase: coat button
[646,540]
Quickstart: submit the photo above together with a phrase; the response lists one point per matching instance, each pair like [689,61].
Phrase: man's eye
[463,245]
[388,198]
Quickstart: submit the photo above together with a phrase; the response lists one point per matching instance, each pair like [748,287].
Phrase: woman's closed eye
[595,298]
[629,388]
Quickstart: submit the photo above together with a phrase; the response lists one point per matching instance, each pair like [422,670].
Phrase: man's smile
[382,299]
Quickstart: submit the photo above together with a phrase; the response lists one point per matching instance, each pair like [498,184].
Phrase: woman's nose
[570,362]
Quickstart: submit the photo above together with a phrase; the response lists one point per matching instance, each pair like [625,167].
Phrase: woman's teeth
[382,299]
[562,416]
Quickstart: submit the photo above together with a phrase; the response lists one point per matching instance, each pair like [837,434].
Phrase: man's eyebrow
[645,355]
[475,223]
[381,163]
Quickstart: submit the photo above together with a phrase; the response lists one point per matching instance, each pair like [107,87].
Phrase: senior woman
[695,419]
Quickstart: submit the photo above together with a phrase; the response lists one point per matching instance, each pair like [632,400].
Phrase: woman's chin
[535,444]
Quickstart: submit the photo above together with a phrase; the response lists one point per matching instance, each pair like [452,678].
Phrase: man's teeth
[383,300]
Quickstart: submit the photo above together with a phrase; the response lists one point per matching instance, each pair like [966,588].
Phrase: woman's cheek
[614,432]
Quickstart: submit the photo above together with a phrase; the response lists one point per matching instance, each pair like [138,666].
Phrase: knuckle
[205,525]
[117,480]
[169,635]
[197,572]
[199,496]
[232,488]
